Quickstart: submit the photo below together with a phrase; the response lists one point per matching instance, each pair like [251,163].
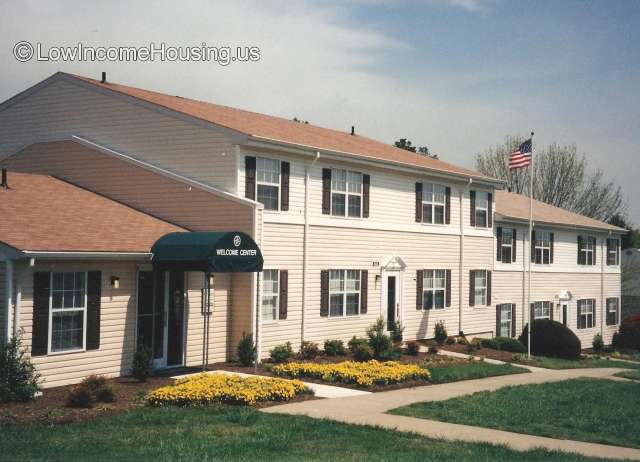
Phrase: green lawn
[557,363]
[471,370]
[594,410]
[234,433]
[632,374]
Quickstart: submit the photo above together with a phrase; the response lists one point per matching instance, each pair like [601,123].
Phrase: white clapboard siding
[62,109]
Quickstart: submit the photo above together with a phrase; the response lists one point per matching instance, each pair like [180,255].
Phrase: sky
[454,75]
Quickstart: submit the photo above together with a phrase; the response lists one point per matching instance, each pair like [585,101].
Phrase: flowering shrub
[364,374]
[223,388]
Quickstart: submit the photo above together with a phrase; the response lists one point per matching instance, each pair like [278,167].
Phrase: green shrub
[598,343]
[450,341]
[379,341]
[510,344]
[105,395]
[362,352]
[552,339]
[462,340]
[308,350]
[490,343]
[616,341]
[334,348]
[440,332]
[142,360]
[357,341]
[630,332]
[80,396]
[246,350]
[19,380]
[396,332]
[470,347]
[94,383]
[281,353]
[413,348]
[434,347]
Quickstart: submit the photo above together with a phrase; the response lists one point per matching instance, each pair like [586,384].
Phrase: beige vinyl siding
[476,320]
[135,186]
[63,109]
[3,301]
[240,315]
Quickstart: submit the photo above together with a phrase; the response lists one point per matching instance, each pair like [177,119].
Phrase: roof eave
[518,220]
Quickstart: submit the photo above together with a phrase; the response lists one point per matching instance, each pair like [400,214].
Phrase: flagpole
[531,247]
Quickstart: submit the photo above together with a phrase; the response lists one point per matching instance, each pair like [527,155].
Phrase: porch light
[115,282]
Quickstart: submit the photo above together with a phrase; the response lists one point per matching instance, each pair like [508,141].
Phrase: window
[344,293]
[434,284]
[612,311]
[482,209]
[68,311]
[505,329]
[586,310]
[346,193]
[542,247]
[480,287]
[433,203]
[613,251]
[507,242]
[268,182]
[542,310]
[586,250]
[270,293]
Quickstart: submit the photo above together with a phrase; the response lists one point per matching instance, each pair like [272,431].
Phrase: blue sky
[456,75]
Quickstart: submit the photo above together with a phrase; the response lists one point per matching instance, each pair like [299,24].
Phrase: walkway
[371,410]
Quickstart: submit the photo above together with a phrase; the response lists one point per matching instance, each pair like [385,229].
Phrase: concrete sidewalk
[371,410]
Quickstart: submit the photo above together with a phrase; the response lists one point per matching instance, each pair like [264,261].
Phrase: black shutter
[580,255]
[250,177]
[578,309]
[533,246]
[513,319]
[364,289]
[419,282]
[515,246]
[551,310]
[594,242]
[472,287]
[324,293]
[447,205]
[448,288]
[326,191]
[594,312]
[284,294]
[488,288]
[532,313]
[550,247]
[499,243]
[497,321]
[472,208]
[94,291]
[610,259]
[419,202]
[284,183]
[366,180]
[40,326]
[490,210]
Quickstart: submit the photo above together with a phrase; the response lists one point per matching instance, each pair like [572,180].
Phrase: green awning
[225,252]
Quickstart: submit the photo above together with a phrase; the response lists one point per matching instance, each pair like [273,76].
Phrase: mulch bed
[506,356]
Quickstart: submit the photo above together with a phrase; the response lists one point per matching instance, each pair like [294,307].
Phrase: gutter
[62,255]
[305,242]
[515,220]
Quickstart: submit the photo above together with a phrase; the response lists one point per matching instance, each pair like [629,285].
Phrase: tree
[562,178]
[631,240]
[405,144]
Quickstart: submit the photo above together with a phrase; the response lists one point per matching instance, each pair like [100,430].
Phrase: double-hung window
[612,311]
[270,295]
[586,311]
[482,209]
[613,251]
[434,284]
[433,203]
[268,182]
[480,287]
[68,311]
[505,328]
[346,193]
[507,243]
[542,247]
[344,293]
[587,250]
[542,310]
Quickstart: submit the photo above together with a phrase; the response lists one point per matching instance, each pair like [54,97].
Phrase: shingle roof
[284,130]
[516,206]
[43,213]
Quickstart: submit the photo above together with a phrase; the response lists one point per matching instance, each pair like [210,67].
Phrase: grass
[235,433]
[471,370]
[633,374]
[593,410]
[558,363]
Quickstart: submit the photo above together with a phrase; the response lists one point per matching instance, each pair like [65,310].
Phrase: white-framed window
[507,243]
[68,313]
[505,320]
[270,294]
[613,251]
[480,288]
[434,285]
[344,293]
[482,209]
[346,193]
[268,182]
[612,311]
[587,250]
[542,310]
[586,309]
[433,203]
[542,247]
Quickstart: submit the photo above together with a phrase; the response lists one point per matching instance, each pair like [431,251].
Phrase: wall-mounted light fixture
[115,282]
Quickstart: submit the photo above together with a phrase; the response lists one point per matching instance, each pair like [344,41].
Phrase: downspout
[305,240]
[8,287]
[17,303]
[464,193]
[602,299]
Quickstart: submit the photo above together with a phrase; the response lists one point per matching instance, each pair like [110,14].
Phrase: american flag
[521,157]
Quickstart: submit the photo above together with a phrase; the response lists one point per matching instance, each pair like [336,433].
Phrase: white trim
[270,294]
[266,183]
[88,255]
[345,293]
[398,273]
[500,218]
[346,193]
[434,289]
[433,203]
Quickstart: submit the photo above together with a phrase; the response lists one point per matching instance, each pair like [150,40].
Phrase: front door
[565,314]
[392,304]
